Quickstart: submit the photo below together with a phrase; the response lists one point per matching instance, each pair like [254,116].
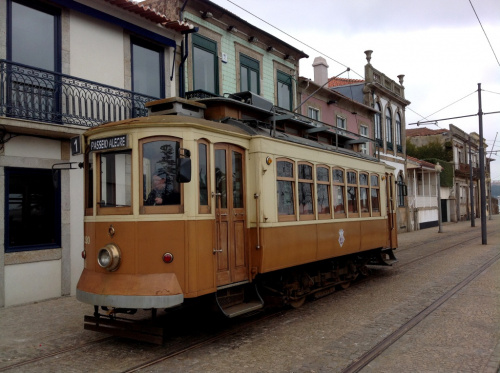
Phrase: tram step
[239,300]
[242,308]
[385,258]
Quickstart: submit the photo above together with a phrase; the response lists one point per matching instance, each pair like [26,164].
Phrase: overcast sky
[438,45]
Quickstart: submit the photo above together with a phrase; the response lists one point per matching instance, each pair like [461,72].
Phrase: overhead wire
[290,36]
[488,39]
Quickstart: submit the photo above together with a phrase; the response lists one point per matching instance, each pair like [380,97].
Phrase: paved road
[462,335]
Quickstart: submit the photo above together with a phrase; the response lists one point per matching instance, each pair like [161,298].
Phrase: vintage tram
[227,197]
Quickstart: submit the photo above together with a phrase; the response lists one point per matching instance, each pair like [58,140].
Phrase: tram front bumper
[157,290]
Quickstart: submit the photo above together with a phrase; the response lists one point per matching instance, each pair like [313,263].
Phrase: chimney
[320,71]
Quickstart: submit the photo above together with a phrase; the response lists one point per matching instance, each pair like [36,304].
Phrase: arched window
[285,189]
[388,128]
[399,140]
[378,125]
[402,191]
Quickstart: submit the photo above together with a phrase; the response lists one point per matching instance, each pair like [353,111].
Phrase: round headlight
[109,257]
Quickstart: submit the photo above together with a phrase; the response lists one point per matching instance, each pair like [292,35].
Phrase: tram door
[391,211]
[232,262]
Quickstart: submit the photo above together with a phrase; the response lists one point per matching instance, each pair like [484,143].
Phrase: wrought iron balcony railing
[36,94]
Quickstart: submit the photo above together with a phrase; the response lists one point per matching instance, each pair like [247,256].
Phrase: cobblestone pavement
[322,336]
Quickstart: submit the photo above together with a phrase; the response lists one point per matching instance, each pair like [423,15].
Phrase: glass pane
[322,174]
[244,78]
[363,199]
[159,164]
[254,81]
[220,177]
[284,94]
[375,200]
[374,180]
[33,37]
[237,163]
[89,183]
[305,198]
[284,169]
[146,71]
[305,172]
[338,199]
[116,179]
[32,208]
[338,176]
[351,178]
[323,199]
[352,202]
[363,179]
[285,198]
[203,175]
[204,70]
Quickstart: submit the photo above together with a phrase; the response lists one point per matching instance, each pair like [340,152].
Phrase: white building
[65,65]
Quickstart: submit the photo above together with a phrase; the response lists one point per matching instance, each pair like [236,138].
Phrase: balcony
[463,171]
[44,96]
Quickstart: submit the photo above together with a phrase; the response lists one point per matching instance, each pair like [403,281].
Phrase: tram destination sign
[109,143]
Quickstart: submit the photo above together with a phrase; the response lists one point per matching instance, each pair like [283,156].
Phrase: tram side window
[338,193]
[285,190]
[306,204]
[352,193]
[363,194]
[116,176]
[89,184]
[323,191]
[203,182]
[375,194]
[159,170]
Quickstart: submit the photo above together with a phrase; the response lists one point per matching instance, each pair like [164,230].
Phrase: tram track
[385,343]
[54,354]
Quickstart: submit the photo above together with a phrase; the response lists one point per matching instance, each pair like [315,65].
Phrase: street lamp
[438,169]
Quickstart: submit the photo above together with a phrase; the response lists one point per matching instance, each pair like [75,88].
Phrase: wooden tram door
[230,215]
[391,211]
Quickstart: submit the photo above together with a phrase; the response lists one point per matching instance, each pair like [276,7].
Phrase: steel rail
[384,344]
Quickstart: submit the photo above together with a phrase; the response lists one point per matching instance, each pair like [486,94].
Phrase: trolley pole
[481,169]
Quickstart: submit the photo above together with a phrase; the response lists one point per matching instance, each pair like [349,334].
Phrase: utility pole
[481,169]
[471,189]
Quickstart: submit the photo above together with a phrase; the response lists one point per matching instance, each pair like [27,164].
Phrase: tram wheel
[297,303]
[343,285]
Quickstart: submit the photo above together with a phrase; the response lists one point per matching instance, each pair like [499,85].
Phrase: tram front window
[159,165]
[115,188]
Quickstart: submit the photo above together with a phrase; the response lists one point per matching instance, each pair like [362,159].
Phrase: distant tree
[433,149]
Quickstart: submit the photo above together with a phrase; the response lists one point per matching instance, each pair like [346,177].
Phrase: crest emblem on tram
[341,237]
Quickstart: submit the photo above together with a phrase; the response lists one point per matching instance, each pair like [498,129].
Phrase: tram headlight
[109,257]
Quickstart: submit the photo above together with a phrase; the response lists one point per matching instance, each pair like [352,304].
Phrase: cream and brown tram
[218,197]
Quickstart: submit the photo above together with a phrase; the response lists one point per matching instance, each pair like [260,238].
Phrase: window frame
[251,64]
[364,146]
[367,189]
[356,213]
[303,216]
[313,113]
[161,58]
[343,121]
[56,222]
[388,129]
[163,209]
[284,79]
[339,215]
[125,210]
[321,215]
[204,209]
[378,125]
[287,217]
[375,188]
[399,133]
[210,46]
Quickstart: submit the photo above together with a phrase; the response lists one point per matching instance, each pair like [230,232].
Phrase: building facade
[387,97]
[461,199]
[65,66]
